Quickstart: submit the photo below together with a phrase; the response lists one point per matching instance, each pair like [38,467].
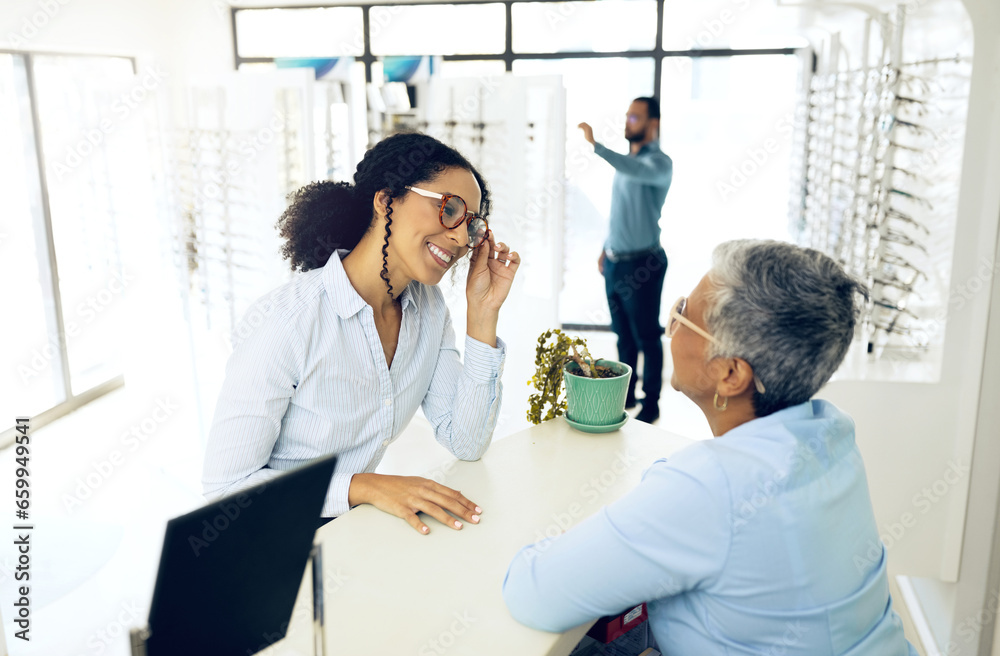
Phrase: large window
[29,383]
[588,179]
[727,24]
[570,26]
[325,32]
[74,172]
[90,182]
[728,124]
[465,29]
[510,30]
[698,58]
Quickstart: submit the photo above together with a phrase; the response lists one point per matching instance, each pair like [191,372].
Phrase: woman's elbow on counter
[471,451]
[529,607]
[213,490]
[524,610]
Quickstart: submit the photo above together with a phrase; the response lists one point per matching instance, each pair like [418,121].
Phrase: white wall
[105,26]
[187,36]
[182,38]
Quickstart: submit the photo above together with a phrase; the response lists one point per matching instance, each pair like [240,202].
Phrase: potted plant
[595,389]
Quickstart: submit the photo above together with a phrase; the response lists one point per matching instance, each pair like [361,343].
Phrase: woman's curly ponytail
[320,218]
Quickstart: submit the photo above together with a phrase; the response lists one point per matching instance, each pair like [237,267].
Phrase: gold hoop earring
[725,402]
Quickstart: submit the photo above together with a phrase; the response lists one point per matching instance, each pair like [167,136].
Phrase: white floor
[102,496]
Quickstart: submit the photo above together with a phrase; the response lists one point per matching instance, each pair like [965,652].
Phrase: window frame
[46,252]
[658,54]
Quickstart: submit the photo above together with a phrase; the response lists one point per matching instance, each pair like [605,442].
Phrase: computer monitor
[231,570]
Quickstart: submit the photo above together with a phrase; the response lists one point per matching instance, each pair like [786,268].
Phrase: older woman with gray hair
[763,540]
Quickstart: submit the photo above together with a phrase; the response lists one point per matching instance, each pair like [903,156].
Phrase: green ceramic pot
[597,401]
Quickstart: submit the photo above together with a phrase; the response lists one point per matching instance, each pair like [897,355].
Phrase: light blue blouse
[761,541]
[308,378]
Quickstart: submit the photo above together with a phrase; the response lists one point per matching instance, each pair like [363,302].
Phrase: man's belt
[628,256]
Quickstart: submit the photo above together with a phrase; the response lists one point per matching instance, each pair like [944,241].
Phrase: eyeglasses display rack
[248,140]
[218,231]
[233,171]
[879,181]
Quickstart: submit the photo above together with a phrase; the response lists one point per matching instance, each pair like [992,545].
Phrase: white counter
[390,590]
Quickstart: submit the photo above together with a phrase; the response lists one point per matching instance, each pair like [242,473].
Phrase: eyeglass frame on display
[893,213]
[894,259]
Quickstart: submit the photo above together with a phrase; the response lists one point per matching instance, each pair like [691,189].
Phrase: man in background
[632,261]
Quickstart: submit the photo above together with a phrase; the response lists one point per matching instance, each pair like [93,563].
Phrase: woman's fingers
[491,249]
[455,502]
[406,496]
[438,513]
[508,258]
[439,500]
[503,255]
[413,520]
[482,254]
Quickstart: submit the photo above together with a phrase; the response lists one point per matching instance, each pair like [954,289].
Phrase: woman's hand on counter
[405,496]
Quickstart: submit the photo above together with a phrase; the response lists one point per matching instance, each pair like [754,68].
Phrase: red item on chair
[609,629]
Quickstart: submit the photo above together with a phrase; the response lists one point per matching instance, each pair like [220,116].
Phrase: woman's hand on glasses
[492,267]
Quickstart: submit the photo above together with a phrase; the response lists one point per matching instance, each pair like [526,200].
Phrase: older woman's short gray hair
[788,311]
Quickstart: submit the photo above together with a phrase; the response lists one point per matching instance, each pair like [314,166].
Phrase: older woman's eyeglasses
[453,211]
[677,318]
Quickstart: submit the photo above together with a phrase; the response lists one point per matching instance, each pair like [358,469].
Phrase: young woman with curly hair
[339,359]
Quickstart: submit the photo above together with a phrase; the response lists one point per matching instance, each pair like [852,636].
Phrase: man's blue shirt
[637,196]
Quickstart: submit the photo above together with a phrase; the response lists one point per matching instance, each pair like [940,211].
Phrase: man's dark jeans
[634,287]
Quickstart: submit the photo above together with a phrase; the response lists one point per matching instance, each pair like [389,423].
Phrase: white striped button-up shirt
[308,378]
